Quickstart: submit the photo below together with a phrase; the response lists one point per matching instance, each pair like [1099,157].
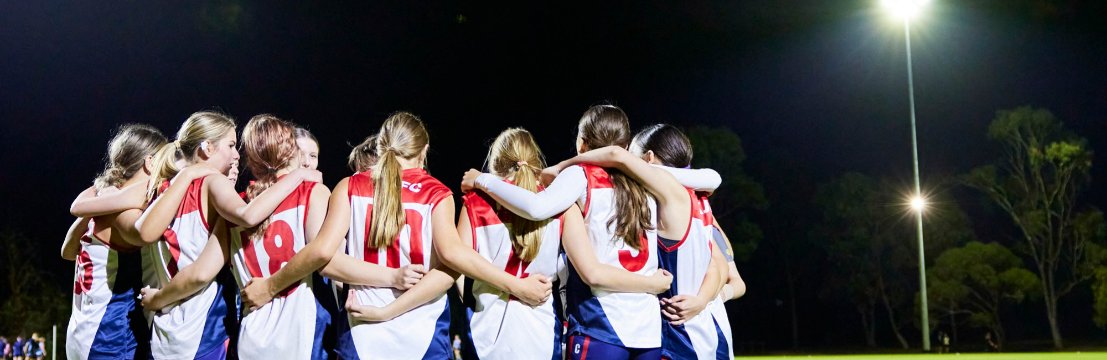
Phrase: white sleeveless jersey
[422,332]
[716,307]
[630,320]
[286,327]
[194,326]
[502,327]
[689,259]
[106,321]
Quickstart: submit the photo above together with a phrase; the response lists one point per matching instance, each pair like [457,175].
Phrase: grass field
[966,356]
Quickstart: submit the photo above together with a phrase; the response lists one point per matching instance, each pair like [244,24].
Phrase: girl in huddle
[623,224]
[688,333]
[309,148]
[504,329]
[106,322]
[184,219]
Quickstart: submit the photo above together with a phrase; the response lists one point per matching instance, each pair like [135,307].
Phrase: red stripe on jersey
[481,209]
[174,250]
[193,201]
[598,178]
[584,350]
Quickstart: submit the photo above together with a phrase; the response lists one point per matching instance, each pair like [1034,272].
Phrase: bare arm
[192,278]
[431,287]
[124,225]
[347,269]
[231,207]
[578,247]
[562,192]
[452,247]
[91,204]
[71,246]
[160,213]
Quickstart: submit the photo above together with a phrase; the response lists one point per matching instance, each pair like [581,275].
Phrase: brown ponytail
[605,125]
[270,145]
[514,155]
[669,145]
[401,136]
[127,153]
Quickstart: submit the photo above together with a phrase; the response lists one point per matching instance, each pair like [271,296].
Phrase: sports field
[966,356]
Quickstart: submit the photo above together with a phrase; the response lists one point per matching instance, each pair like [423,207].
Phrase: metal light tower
[905,10]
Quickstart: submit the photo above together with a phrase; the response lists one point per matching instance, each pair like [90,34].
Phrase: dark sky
[814,88]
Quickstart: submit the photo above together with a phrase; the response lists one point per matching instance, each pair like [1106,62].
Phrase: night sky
[814,88]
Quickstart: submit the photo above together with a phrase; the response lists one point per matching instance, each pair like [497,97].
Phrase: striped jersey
[422,332]
[689,260]
[106,322]
[195,326]
[504,328]
[631,320]
[291,324]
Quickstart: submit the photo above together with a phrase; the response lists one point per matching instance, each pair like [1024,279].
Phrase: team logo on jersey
[416,187]
[576,349]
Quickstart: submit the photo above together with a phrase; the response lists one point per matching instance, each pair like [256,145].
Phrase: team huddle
[612,254]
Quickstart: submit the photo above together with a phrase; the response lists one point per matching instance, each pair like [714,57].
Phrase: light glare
[918,203]
[904,9]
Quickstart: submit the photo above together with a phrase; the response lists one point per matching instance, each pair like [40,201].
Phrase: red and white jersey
[193,326]
[423,331]
[689,260]
[503,328]
[104,287]
[625,319]
[286,326]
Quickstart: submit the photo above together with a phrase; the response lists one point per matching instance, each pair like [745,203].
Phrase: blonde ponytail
[402,136]
[164,167]
[515,156]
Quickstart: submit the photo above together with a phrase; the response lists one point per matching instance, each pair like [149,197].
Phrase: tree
[855,236]
[977,279]
[871,245]
[1038,183]
[720,148]
[28,305]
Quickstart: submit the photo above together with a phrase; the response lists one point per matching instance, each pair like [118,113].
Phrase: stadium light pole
[905,10]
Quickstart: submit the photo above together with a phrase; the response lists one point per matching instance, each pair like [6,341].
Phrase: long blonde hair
[127,153]
[200,127]
[401,136]
[605,125]
[515,156]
